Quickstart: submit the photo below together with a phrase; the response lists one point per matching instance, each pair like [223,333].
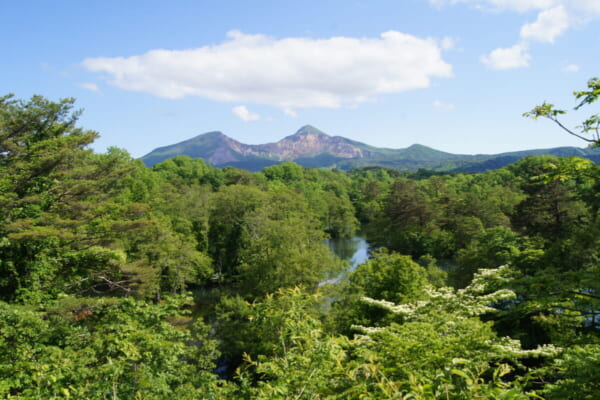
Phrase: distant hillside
[311,147]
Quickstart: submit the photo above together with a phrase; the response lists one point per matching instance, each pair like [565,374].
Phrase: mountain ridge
[311,147]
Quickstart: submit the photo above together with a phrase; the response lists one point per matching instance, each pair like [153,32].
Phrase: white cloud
[441,106]
[576,6]
[589,8]
[244,114]
[500,5]
[290,112]
[448,43]
[92,87]
[508,58]
[549,25]
[572,68]
[289,73]
[555,17]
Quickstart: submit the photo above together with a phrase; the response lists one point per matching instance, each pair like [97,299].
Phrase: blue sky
[455,75]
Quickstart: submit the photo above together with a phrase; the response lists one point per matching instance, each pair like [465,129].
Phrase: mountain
[311,147]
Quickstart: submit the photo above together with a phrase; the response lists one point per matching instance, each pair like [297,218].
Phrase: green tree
[552,208]
[100,349]
[386,276]
[405,222]
[442,348]
[578,372]
[61,215]
[288,172]
[490,249]
[267,327]
[265,240]
[183,170]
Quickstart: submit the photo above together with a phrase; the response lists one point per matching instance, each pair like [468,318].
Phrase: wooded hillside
[184,281]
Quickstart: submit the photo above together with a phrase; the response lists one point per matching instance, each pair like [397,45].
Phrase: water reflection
[354,250]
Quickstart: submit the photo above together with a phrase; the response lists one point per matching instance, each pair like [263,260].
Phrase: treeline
[121,281]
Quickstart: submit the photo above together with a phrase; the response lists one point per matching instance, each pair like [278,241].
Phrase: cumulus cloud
[554,18]
[441,106]
[508,58]
[549,24]
[572,68]
[290,73]
[244,114]
[547,27]
[92,87]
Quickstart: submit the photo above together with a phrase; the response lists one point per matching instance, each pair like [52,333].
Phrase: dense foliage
[186,281]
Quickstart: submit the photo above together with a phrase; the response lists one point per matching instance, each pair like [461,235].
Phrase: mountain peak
[313,148]
[309,130]
[417,146]
[212,134]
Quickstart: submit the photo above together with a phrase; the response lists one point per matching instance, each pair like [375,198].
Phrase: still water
[355,250]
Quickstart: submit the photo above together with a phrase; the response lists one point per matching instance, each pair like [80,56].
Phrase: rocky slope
[313,148]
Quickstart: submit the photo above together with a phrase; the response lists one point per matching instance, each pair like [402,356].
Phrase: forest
[184,281]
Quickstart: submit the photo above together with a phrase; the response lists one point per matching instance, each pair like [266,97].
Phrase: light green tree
[589,130]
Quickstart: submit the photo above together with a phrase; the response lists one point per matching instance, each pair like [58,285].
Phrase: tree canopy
[186,281]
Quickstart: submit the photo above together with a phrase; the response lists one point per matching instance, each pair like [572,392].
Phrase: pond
[355,250]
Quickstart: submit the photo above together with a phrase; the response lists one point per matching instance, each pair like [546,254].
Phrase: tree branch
[570,132]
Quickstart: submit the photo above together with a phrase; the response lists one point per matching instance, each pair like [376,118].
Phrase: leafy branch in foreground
[590,126]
